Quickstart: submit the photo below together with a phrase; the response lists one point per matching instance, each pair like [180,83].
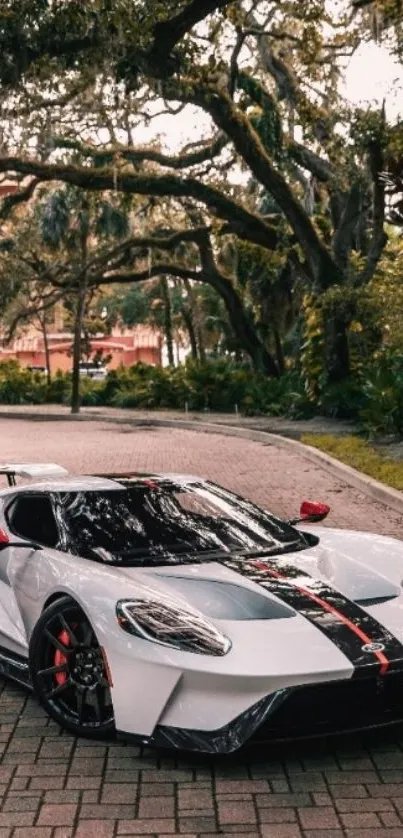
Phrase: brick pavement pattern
[53,786]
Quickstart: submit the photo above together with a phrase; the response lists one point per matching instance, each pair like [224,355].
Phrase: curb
[372,488]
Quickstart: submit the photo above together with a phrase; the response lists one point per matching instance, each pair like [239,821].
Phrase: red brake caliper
[60,658]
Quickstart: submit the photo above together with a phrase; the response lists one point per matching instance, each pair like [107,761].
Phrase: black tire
[68,671]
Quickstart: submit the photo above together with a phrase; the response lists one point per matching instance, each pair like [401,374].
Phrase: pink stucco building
[125,346]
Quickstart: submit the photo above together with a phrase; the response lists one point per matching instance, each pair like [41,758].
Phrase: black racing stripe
[290,589]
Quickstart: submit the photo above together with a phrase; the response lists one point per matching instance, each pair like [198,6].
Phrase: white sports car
[171,611]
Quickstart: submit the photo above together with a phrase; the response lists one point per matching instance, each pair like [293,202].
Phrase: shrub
[382,389]
[92,392]
[342,401]
[285,396]
[217,385]
[373,398]
[19,385]
[59,389]
[144,387]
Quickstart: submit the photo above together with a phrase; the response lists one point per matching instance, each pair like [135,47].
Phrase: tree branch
[121,253]
[168,33]
[50,39]
[17,198]
[254,229]
[310,161]
[342,241]
[233,64]
[210,275]
[160,268]
[379,239]
[237,126]
[241,324]
[44,304]
[286,82]
[105,156]
[44,104]
[379,235]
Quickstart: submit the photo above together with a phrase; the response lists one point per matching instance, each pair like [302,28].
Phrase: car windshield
[157,523]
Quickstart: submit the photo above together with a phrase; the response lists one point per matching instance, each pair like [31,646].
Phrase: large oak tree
[288,166]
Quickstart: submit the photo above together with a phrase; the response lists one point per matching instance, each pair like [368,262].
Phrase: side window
[31,517]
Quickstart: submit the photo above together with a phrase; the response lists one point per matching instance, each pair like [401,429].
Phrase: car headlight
[171,625]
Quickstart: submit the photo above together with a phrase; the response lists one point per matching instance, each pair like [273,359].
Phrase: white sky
[373,75]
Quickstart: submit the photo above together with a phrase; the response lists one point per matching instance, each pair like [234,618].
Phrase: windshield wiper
[276,550]
[191,555]
[183,550]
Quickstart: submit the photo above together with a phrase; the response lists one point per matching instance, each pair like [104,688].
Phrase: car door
[29,516]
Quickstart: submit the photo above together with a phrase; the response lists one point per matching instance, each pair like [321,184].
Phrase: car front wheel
[69,671]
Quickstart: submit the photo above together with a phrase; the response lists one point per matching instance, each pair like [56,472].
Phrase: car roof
[96,482]
[78,483]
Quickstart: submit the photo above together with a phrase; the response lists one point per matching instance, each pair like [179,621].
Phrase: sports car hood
[363,566]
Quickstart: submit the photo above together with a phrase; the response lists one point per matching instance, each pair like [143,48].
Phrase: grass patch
[359,454]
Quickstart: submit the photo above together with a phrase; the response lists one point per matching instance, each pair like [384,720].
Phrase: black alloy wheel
[69,671]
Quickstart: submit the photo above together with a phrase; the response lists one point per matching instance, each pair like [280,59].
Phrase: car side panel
[153,683]
[14,566]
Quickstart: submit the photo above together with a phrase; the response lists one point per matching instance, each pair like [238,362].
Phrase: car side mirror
[311,512]
[5,542]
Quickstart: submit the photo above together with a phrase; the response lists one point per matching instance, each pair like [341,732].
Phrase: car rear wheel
[69,671]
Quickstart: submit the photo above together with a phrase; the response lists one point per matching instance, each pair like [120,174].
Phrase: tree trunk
[168,320]
[337,350]
[188,318]
[200,340]
[80,311]
[279,351]
[244,330]
[188,321]
[43,325]
[78,325]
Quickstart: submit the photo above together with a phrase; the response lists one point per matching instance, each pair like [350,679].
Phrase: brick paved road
[55,787]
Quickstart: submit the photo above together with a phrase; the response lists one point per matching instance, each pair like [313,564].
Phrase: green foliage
[217,385]
[359,311]
[53,218]
[266,121]
[148,387]
[59,389]
[20,386]
[373,399]
[91,392]
[66,215]
[359,454]
[386,293]
[342,401]
[285,396]
[111,222]
[106,66]
[382,388]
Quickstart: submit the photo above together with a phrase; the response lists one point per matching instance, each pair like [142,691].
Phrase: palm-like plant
[77,223]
